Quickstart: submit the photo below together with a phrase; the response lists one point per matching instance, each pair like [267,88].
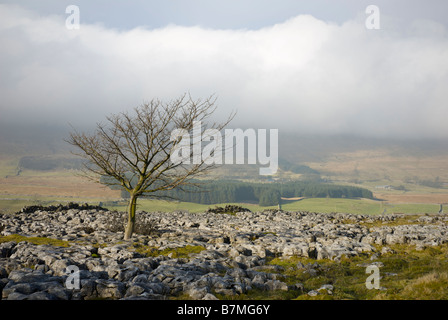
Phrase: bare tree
[133,150]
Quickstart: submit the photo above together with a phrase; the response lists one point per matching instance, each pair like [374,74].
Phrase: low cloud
[303,75]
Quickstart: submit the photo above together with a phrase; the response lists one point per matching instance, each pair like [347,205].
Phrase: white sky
[308,66]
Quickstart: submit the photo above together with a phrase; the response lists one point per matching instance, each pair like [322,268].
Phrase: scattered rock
[232,259]
[227,209]
[326,289]
[313,293]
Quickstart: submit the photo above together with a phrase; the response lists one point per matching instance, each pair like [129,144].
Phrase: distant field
[375,167]
[56,187]
[168,206]
[8,165]
[41,184]
[379,164]
[354,206]
[378,167]
[357,206]
[382,163]
[370,169]
[435,198]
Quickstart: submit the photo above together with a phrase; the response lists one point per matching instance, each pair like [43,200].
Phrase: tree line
[265,194]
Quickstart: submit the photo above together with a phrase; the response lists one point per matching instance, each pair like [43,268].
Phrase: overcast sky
[308,66]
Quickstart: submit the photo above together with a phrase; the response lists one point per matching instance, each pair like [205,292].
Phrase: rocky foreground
[231,259]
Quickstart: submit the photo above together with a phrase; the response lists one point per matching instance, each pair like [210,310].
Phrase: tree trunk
[131,218]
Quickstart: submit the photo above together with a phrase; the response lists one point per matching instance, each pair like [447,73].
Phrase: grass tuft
[35,240]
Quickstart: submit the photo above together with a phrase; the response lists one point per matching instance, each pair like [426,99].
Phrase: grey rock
[109,289]
[59,292]
[87,289]
[313,293]
[326,288]
[386,250]
[60,266]
[233,262]
[274,285]
[197,293]
[53,289]
[28,275]
[23,288]
[41,295]
[141,278]
[7,249]
[16,296]
[3,272]
[225,291]
[259,281]
[158,288]
[210,296]
[135,290]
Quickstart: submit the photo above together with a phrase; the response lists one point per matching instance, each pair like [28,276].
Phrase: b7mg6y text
[225,309]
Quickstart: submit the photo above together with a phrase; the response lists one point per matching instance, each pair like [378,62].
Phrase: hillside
[36,165]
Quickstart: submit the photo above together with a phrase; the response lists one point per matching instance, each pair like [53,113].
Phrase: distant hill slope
[339,158]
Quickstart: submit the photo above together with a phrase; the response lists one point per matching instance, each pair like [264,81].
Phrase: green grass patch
[432,286]
[405,274]
[329,205]
[356,206]
[324,205]
[34,240]
[407,219]
[11,206]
